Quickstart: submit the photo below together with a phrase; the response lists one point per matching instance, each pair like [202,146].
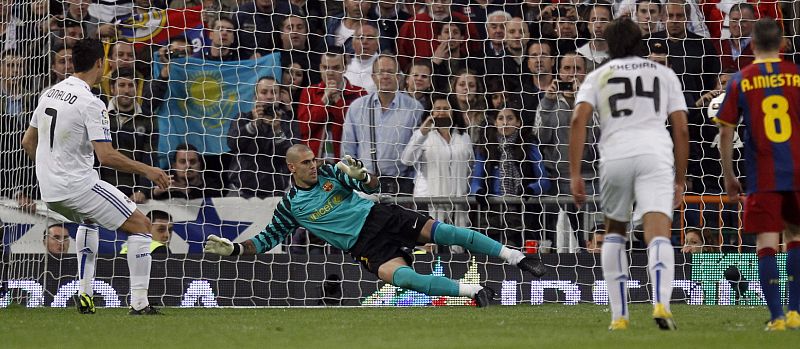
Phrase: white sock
[511,256]
[139,266]
[661,265]
[615,272]
[87,242]
[468,290]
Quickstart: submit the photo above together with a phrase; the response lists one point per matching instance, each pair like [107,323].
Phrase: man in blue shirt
[323,201]
[379,125]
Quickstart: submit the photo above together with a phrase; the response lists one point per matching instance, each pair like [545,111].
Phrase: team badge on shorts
[328,186]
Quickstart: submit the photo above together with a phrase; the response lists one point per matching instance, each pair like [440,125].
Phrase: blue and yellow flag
[204,97]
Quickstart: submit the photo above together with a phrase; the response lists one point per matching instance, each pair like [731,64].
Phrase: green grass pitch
[524,326]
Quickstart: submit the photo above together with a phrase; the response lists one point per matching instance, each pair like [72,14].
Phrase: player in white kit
[639,162]
[70,124]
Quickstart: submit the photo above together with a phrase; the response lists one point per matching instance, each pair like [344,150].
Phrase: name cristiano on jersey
[770,81]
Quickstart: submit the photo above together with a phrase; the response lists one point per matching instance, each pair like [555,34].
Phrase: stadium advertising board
[334,279]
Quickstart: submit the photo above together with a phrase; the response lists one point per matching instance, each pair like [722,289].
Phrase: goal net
[462,108]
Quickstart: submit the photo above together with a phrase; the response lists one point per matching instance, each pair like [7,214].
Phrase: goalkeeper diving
[322,200]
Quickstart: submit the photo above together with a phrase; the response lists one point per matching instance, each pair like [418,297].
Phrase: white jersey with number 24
[633,98]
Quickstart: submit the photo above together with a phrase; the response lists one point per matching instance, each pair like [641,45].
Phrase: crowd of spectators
[438,97]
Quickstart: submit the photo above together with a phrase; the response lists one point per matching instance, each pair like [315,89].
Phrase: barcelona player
[378,235]
[766,96]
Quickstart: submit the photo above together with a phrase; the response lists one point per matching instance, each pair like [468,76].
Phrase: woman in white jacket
[441,153]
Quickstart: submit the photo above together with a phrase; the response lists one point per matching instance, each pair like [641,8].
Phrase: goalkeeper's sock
[615,272]
[793,273]
[405,277]
[473,241]
[139,266]
[770,282]
[87,242]
[661,264]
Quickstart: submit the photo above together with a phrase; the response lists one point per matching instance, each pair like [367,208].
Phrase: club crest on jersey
[328,186]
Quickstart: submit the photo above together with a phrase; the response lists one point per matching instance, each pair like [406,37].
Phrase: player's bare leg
[615,272]
[792,238]
[139,259]
[661,266]
[397,272]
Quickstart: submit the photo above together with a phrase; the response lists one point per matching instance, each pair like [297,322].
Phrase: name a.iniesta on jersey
[61,96]
[770,81]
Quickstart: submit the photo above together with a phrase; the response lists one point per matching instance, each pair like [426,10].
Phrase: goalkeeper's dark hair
[624,38]
[767,35]
[85,53]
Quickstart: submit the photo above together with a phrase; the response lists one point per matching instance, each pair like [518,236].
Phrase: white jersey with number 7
[68,118]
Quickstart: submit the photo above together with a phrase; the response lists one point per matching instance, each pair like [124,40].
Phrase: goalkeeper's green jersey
[331,210]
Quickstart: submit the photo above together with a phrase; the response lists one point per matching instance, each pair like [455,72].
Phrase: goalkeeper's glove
[222,246]
[354,168]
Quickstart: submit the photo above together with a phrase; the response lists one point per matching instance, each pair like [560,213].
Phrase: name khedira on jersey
[61,96]
[633,66]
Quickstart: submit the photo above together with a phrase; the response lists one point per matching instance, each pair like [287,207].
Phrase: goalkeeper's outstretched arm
[283,224]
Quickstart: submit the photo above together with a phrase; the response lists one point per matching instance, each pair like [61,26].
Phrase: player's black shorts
[390,231]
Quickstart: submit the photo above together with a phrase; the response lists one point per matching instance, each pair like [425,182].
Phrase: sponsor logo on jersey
[334,201]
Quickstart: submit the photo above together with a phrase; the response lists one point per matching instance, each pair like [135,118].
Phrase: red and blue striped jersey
[765,96]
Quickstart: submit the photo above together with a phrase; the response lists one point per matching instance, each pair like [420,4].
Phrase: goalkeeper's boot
[793,320]
[776,325]
[619,324]
[663,318]
[148,310]
[483,297]
[85,303]
[533,265]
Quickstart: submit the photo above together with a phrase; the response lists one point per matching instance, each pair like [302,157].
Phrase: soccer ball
[715,104]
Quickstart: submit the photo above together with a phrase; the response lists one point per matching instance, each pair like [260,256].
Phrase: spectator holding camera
[324,105]
[178,47]
[259,140]
[508,163]
[563,19]
[553,128]
[441,153]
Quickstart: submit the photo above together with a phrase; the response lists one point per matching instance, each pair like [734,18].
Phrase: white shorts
[103,204]
[648,180]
